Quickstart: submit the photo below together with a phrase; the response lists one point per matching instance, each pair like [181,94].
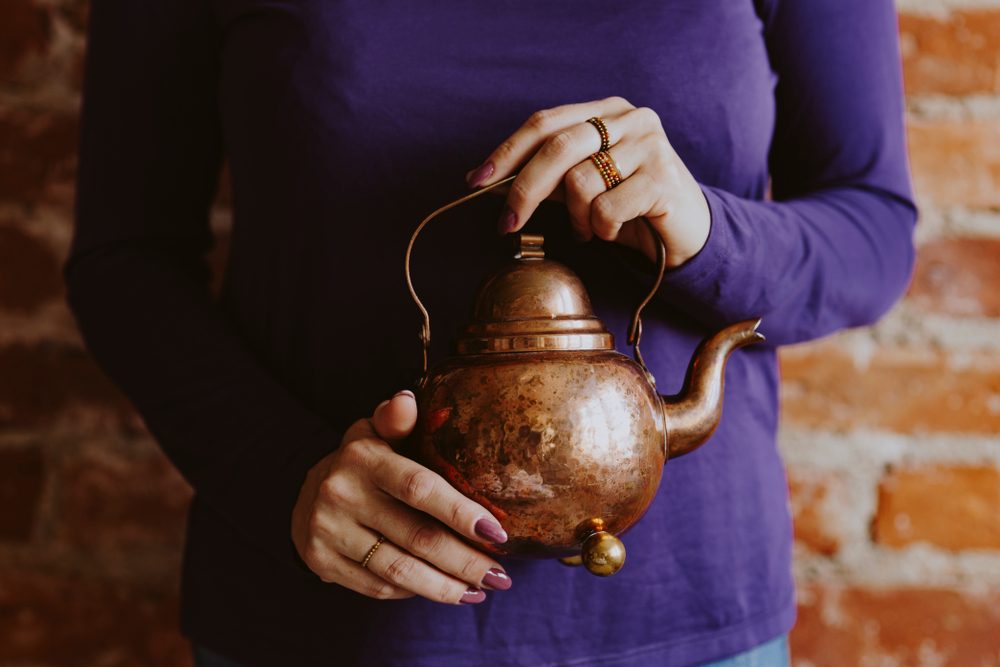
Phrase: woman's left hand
[555,146]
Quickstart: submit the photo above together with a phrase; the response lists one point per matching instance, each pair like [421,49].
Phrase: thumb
[395,418]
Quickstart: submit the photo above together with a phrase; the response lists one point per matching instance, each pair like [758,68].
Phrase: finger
[634,122]
[322,555]
[545,171]
[550,166]
[340,570]
[431,541]
[359,430]
[394,419]
[501,191]
[404,570]
[526,141]
[584,183]
[585,140]
[632,198]
[425,490]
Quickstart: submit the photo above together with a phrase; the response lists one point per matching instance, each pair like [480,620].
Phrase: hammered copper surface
[546,441]
[541,421]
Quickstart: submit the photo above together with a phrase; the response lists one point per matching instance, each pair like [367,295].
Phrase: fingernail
[507,221]
[488,529]
[497,579]
[405,392]
[473,596]
[479,175]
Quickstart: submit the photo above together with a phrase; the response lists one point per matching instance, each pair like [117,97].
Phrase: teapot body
[542,422]
[556,444]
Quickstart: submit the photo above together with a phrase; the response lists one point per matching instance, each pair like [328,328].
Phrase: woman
[310,540]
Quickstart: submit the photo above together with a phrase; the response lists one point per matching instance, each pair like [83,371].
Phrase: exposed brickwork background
[891,434]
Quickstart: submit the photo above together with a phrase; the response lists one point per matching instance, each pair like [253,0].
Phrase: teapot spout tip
[745,333]
[753,333]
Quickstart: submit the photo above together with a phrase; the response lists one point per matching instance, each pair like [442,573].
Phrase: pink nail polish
[473,596]
[479,175]
[497,579]
[488,529]
[508,221]
[405,392]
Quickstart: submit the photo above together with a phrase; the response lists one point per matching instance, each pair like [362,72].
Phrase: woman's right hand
[363,490]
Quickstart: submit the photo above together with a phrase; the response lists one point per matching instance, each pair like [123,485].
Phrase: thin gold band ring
[602,130]
[371,552]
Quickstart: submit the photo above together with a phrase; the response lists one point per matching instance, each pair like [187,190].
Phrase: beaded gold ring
[602,130]
[609,170]
[371,552]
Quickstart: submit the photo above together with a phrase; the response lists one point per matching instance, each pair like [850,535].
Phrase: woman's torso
[345,123]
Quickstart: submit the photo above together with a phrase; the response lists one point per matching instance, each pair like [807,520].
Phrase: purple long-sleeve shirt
[344,122]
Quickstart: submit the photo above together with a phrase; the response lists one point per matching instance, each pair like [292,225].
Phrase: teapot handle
[635,327]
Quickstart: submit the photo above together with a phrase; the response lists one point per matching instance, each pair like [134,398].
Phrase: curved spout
[692,415]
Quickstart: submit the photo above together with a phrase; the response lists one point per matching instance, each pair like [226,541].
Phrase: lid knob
[529,246]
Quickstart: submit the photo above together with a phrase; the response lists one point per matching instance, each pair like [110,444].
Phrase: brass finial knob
[529,246]
[603,554]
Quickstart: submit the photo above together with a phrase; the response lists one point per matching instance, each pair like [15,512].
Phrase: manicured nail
[488,529]
[405,392]
[479,175]
[497,579]
[508,221]
[473,596]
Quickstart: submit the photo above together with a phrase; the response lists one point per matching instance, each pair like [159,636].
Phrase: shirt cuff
[696,285]
[698,280]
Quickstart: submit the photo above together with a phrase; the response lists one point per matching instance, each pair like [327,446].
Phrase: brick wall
[891,434]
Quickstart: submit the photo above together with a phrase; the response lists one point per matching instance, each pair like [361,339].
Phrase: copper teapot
[540,420]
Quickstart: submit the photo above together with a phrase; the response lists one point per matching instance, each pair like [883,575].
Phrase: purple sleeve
[137,278]
[834,248]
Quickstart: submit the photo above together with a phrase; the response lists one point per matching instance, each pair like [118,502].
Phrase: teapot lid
[533,304]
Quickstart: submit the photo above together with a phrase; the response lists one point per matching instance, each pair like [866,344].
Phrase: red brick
[24,31]
[814,499]
[902,390]
[51,384]
[37,155]
[21,481]
[53,620]
[108,500]
[956,162]
[30,271]
[958,277]
[954,507]
[839,627]
[958,54]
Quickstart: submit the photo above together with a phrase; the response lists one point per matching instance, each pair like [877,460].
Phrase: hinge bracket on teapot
[635,327]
